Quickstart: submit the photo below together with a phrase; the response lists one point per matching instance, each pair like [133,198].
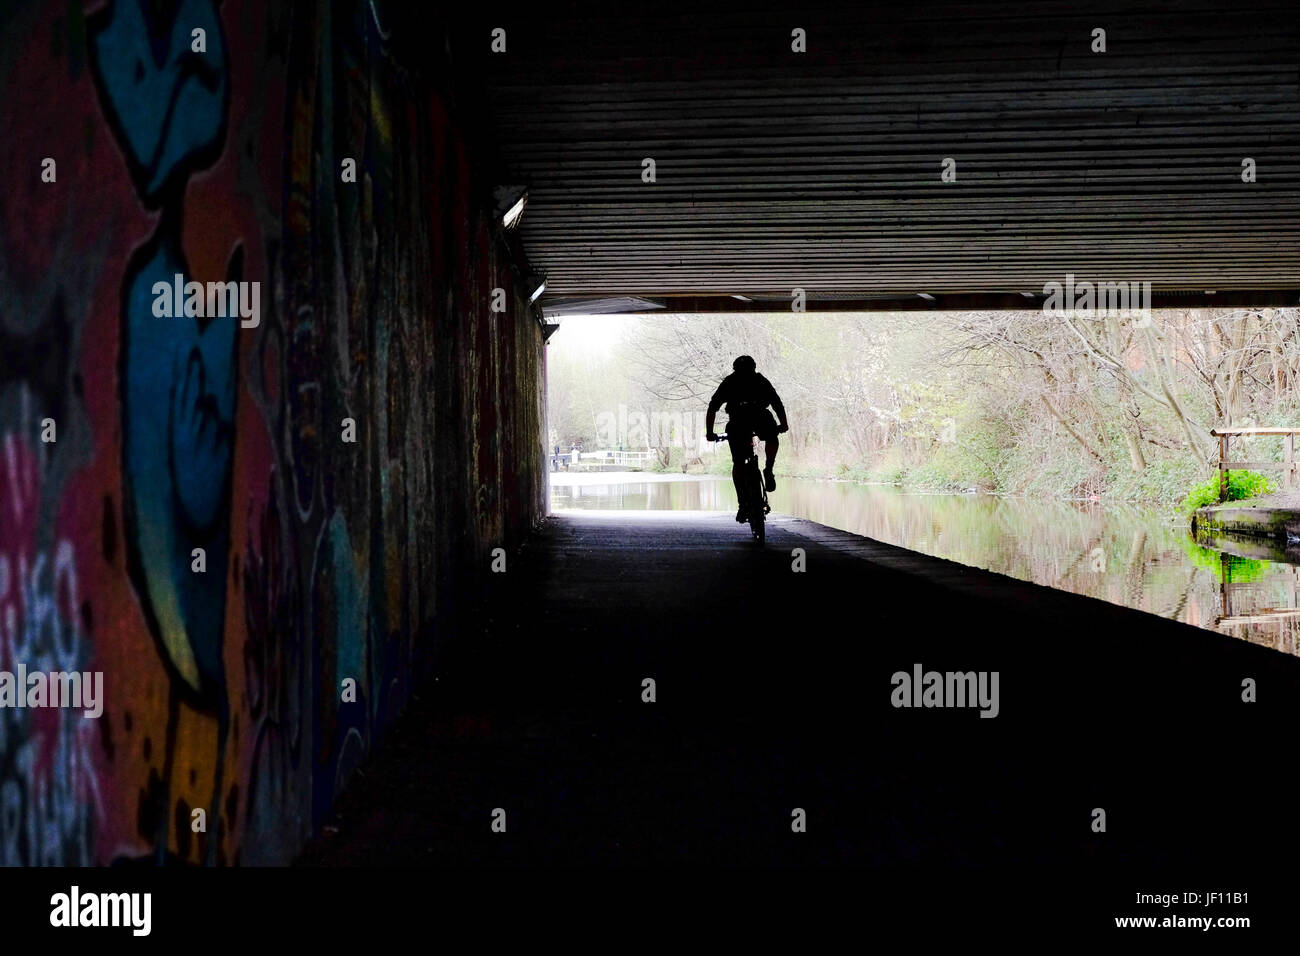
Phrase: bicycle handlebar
[723,437]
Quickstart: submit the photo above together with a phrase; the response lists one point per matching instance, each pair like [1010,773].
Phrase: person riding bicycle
[748,395]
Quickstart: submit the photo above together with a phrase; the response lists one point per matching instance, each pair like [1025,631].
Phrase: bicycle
[755,501]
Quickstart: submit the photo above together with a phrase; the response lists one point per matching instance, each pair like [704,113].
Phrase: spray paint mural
[166,104]
[219,160]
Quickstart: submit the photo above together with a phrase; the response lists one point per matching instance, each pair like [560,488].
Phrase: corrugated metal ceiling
[821,170]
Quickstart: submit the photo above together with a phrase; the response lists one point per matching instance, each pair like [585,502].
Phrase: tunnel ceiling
[822,170]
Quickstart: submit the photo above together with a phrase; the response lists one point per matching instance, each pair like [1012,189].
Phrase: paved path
[774,693]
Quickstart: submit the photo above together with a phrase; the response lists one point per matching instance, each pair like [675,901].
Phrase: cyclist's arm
[779,408]
[714,404]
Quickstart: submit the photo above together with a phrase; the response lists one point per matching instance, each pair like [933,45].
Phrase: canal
[1139,557]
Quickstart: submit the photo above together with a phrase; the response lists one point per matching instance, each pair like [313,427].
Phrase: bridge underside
[823,170]
[348,469]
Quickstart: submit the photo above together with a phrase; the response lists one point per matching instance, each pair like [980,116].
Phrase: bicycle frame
[756,506]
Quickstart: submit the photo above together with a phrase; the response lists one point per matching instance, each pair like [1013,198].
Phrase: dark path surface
[774,693]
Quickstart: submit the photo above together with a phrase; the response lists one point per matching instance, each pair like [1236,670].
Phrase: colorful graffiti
[167,104]
[219,161]
[48,786]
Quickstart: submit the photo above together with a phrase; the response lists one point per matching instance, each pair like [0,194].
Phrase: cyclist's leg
[766,430]
[740,451]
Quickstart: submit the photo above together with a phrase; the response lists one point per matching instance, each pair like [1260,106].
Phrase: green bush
[1241,485]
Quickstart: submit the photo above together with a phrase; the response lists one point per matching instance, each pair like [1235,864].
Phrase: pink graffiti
[49,792]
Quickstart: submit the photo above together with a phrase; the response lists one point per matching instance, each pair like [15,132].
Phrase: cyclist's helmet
[744,363]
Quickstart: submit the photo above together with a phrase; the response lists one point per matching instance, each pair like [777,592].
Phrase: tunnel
[278,283]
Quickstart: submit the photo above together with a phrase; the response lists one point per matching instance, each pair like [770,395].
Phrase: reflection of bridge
[1233,594]
[1266,615]
[1282,620]
[1243,602]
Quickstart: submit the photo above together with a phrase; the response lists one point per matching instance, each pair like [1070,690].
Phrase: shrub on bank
[1241,485]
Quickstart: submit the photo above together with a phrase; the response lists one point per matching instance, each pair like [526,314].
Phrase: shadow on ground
[773,693]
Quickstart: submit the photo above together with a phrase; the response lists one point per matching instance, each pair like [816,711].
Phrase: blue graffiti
[178,403]
[166,102]
[163,86]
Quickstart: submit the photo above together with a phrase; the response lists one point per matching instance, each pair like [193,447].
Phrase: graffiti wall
[228,513]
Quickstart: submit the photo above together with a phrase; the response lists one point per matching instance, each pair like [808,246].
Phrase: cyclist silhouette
[747,396]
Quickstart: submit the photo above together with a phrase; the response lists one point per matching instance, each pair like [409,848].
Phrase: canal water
[1139,557]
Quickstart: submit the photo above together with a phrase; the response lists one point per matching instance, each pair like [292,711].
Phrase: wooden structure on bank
[1287,464]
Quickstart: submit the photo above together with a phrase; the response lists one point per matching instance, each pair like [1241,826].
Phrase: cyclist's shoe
[740,516]
[769,479]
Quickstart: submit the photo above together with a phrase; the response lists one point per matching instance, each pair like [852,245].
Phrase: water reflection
[1138,557]
[679,495]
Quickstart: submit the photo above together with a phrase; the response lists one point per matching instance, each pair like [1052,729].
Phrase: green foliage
[1004,403]
[1162,481]
[671,459]
[719,463]
[1040,467]
[890,473]
[1241,485]
[932,477]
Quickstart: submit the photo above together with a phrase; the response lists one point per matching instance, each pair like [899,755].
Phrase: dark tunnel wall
[325,559]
